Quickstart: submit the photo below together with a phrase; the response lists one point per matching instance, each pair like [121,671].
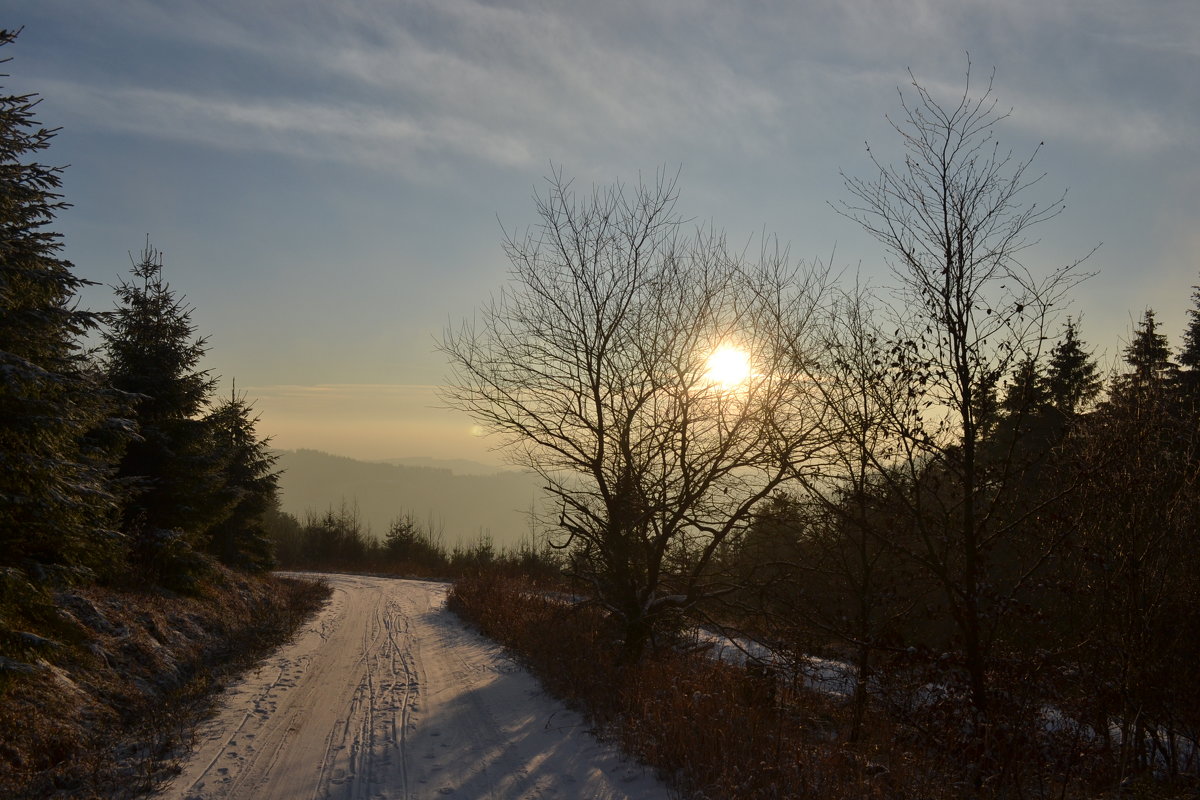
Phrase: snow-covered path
[385,694]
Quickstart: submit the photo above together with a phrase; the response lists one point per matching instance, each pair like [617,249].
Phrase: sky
[329,182]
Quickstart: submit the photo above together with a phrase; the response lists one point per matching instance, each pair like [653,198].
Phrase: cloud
[350,132]
[1118,126]
[419,85]
[366,421]
[1115,128]
[392,86]
[378,397]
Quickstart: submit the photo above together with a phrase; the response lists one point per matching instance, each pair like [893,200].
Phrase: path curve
[386,694]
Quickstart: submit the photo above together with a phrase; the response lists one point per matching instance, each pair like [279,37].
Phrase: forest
[932,485]
[119,461]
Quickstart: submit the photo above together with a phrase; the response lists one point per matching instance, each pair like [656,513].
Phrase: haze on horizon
[328,182]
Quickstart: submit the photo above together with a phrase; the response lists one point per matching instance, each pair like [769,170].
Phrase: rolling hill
[462,506]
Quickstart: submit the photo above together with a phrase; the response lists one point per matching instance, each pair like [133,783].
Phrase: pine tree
[1027,394]
[1189,355]
[1072,378]
[1149,355]
[174,469]
[249,491]
[55,500]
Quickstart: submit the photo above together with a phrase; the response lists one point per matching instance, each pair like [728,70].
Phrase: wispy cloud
[349,131]
[1118,129]
[370,393]
[438,81]
[407,86]
[1118,126]
[366,420]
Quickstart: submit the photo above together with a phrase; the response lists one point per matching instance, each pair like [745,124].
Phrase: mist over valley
[462,499]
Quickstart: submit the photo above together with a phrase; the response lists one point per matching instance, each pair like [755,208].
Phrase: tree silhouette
[174,468]
[1027,391]
[1189,354]
[56,504]
[248,489]
[1072,378]
[591,368]
[1152,377]
[955,221]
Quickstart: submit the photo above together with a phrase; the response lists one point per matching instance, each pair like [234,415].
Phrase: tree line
[338,539]
[118,462]
[930,480]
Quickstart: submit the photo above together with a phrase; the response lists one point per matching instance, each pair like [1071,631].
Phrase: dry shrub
[713,730]
[716,730]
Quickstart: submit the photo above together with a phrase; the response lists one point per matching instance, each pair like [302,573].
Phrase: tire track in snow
[386,695]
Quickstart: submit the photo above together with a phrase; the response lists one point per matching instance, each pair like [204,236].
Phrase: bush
[714,730]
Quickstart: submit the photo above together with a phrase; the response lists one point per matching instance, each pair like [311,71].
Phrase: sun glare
[728,366]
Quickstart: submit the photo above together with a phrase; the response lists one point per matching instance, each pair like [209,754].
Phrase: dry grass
[716,730]
[106,712]
[713,730]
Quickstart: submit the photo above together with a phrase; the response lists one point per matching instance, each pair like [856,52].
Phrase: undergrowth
[713,730]
[718,730]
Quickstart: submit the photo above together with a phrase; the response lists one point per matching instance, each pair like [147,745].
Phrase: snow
[821,675]
[386,694]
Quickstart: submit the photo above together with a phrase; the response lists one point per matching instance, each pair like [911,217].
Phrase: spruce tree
[1189,355]
[1027,394]
[1072,378]
[174,468]
[55,500]
[1149,356]
[249,487]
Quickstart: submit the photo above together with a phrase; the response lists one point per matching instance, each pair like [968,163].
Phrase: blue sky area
[328,180]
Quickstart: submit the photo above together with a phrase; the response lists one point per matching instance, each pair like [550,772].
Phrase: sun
[728,366]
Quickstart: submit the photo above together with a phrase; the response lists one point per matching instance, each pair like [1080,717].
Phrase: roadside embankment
[111,683]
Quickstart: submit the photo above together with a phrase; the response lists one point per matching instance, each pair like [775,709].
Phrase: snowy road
[385,694]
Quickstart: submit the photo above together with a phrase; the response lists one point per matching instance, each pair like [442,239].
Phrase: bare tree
[593,366]
[820,566]
[855,549]
[955,220]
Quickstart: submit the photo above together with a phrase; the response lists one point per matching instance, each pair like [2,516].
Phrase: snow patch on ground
[823,675]
[386,694]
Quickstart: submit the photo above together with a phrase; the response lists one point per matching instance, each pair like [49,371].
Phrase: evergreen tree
[54,493]
[1135,466]
[174,468]
[1027,394]
[1149,356]
[250,485]
[1072,378]
[1189,356]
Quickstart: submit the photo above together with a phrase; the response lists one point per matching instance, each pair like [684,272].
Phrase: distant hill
[459,466]
[462,505]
